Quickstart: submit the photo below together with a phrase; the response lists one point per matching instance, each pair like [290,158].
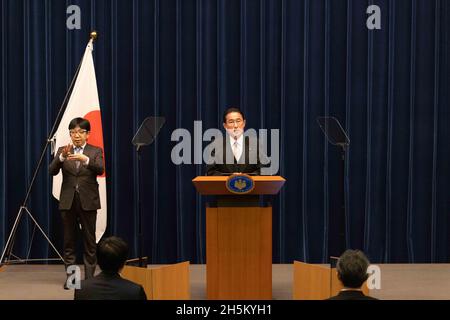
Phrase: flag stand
[7,251]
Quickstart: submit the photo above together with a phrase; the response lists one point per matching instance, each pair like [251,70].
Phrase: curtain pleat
[390,124]
[348,122]
[156,88]
[435,129]
[304,178]
[4,225]
[412,78]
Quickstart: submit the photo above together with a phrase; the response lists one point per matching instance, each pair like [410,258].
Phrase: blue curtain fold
[284,62]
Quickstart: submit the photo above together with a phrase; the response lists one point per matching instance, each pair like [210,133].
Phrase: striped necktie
[77,150]
[235,150]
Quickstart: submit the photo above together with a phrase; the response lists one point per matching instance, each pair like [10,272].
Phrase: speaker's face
[79,136]
[234,124]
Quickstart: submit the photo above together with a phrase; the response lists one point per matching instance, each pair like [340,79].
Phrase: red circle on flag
[96,134]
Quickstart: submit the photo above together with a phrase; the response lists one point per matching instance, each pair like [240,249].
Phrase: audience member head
[112,253]
[352,268]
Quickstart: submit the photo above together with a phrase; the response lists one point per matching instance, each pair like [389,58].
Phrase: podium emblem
[240,184]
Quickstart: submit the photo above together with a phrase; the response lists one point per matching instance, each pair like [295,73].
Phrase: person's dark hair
[112,252]
[230,110]
[352,268]
[80,122]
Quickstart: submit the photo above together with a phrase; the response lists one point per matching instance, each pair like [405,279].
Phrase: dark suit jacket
[109,287]
[84,176]
[352,295]
[223,150]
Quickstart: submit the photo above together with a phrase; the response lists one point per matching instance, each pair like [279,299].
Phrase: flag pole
[93,37]
[9,243]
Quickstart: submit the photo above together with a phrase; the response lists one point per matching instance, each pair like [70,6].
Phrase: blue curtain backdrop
[285,62]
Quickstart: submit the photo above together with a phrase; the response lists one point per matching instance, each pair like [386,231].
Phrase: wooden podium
[238,239]
[166,282]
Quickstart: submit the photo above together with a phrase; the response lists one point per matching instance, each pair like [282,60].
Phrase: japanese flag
[84,103]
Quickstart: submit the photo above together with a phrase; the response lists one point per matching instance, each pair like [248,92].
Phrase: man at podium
[236,153]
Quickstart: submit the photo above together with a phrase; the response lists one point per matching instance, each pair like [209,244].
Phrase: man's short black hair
[352,268]
[230,110]
[80,122]
[112,253]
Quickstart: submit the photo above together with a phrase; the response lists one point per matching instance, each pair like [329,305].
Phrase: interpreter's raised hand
[77,157]
[66,151]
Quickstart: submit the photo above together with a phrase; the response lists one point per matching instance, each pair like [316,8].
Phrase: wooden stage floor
[398,281]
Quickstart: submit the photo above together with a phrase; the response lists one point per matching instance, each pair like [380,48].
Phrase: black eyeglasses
[80,132]
[237,121]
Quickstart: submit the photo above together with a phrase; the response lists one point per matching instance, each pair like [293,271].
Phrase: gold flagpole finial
[94,35]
